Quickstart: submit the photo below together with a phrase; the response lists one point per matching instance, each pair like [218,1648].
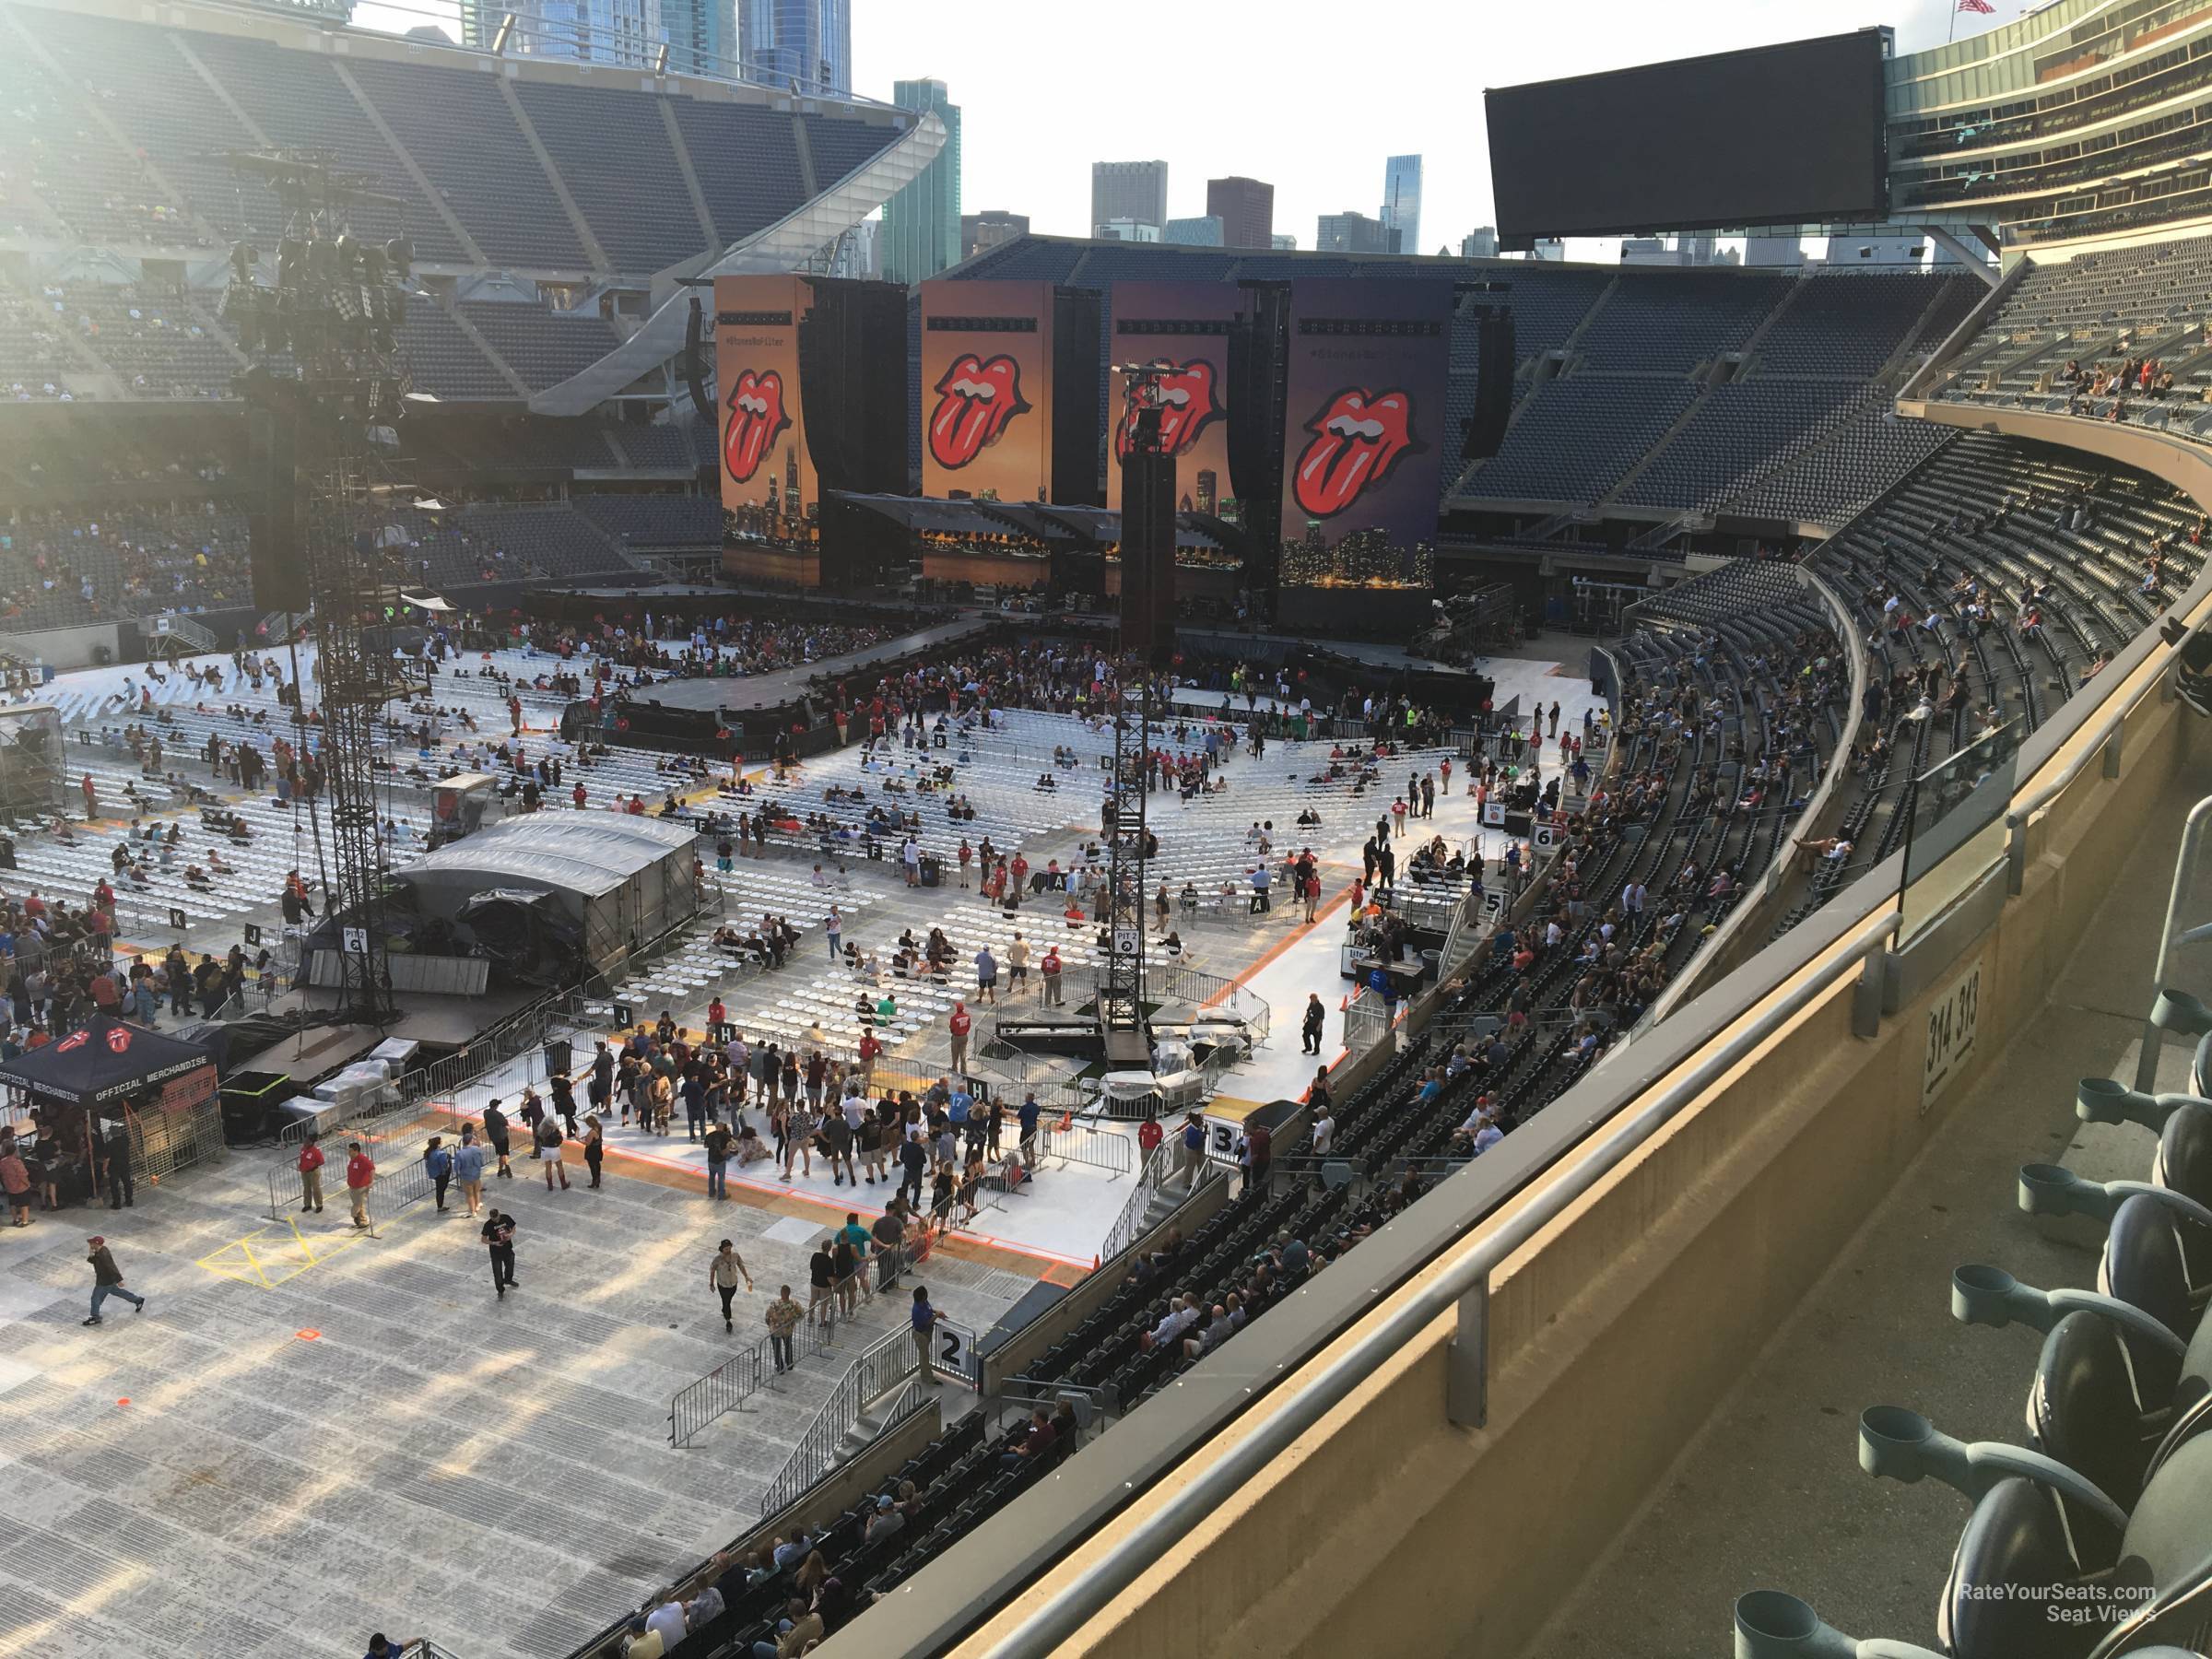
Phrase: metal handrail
[2153,1044]
[1130,1223]
[877,1370]
[738,1378]
[1056,1620]
[2103,742]
[1839,768]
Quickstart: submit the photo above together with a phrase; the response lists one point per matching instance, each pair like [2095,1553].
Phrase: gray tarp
[623,881]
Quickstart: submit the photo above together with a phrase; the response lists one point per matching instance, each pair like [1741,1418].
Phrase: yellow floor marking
[271,1255]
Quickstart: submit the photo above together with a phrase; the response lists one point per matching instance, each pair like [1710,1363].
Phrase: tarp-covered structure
[603,884]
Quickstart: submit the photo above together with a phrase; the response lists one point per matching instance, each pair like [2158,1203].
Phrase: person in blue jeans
[468,1168]
[925,1320]
[718,1160]
[107,1278]
[1193,1149]
[440,1163]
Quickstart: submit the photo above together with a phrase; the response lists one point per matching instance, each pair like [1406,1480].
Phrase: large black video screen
[1780,135]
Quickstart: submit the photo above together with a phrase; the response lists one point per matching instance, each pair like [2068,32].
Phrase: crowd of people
[59,565]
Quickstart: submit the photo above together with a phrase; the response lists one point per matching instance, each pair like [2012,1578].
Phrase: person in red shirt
[716,1017]
[577,794]
[869,1050]
[91,797]
[1019,870]
[961,1023]
[637,806]
[361,1175]
[1149,1136]
[311,1175]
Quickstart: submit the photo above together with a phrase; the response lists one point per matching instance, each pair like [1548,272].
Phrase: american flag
[1976,5]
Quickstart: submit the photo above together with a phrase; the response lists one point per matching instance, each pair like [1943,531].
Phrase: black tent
[107,1064]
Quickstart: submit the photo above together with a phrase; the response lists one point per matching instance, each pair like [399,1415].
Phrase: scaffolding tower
[1123,1027]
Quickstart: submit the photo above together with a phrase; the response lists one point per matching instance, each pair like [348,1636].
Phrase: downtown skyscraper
[626,33]
[922,223]
[797,45]
[1402,201]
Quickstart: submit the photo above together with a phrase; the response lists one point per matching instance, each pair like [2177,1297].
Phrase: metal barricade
[737,1379]
[724,1388]
[877,1370]
[1081,1144]
[1366,1021]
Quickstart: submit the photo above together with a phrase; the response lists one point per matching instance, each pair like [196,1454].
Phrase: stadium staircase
[1708,375]
[476,337]
[582,226]
[182,632]
[452,221]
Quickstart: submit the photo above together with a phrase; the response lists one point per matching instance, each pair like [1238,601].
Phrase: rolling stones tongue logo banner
[986,389]
[771,491]
[976,398]
[1365,431]
[756,419]
[1358,438]
[1186,323]
[1186,405]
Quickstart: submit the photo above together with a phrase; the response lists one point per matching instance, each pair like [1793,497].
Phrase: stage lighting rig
[326,384]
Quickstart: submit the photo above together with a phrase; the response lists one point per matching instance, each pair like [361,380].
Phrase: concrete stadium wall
[64,649]
[1616,1333]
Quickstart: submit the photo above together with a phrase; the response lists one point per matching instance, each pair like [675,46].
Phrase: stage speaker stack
[852,378]
[276,552]
[1259,393]
[1494,389]
[1148,546]
[1077,332]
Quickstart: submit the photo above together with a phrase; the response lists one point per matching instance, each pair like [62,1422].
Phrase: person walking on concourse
[499,1235]
[722,1273]
[107,1279]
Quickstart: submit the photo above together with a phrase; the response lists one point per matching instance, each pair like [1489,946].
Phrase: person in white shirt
[667,1622]
[1324,1133]
[1181,1316]
[1488,1135]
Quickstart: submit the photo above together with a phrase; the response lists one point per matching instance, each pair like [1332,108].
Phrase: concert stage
[788,685]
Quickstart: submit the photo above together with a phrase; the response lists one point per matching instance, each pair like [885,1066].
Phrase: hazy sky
[1309,95]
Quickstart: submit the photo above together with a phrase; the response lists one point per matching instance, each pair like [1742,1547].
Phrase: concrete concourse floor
[1768,1495]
